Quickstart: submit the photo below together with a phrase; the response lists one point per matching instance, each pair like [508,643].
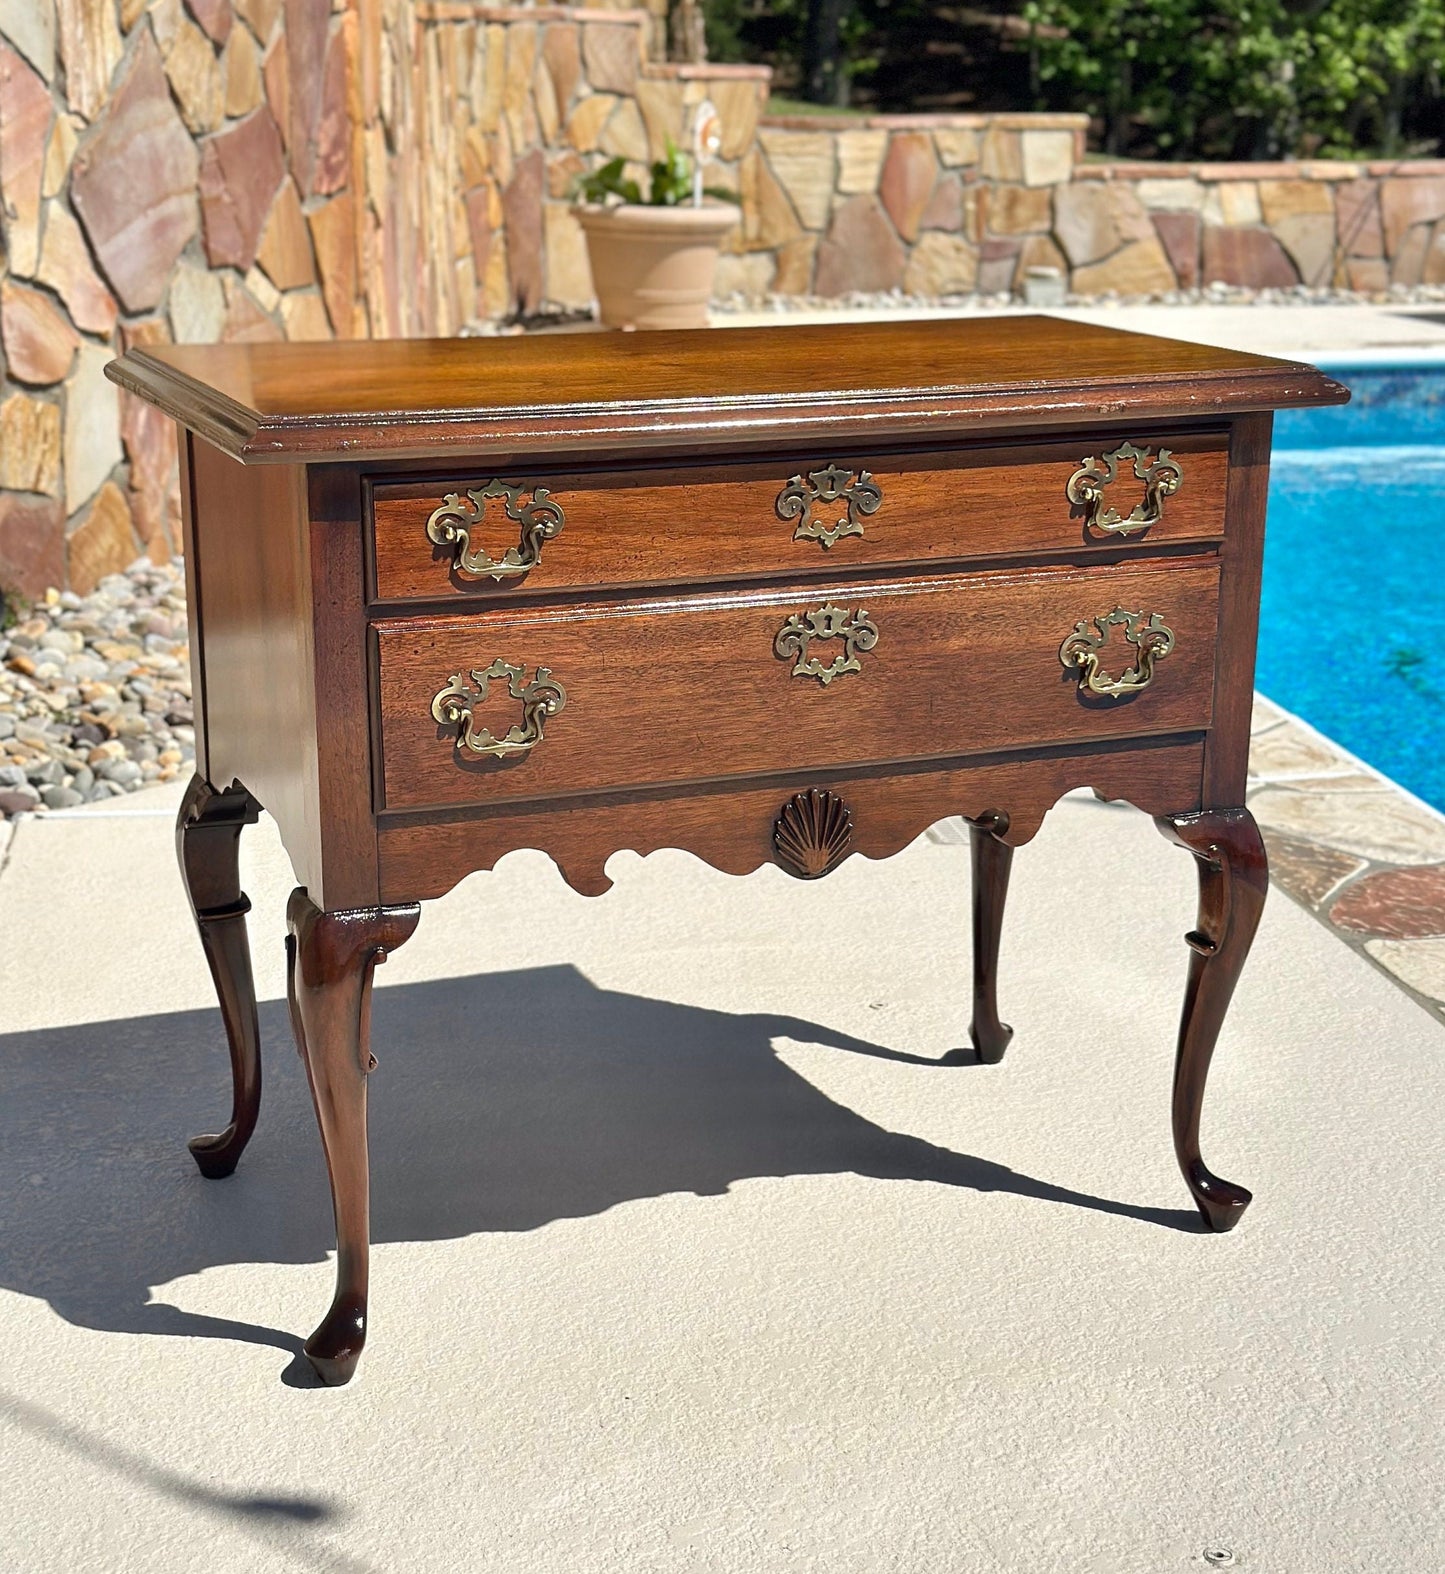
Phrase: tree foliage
[1244,78]
[820,49]
[1172,78]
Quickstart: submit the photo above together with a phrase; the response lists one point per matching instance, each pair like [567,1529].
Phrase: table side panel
[1226,761]
[190,557]
[655,524]
[250,572]
[348,876]
[692,688]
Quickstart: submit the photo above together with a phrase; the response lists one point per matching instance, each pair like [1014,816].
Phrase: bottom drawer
[644,693]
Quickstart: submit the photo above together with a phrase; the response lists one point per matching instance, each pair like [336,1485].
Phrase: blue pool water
[1352,624]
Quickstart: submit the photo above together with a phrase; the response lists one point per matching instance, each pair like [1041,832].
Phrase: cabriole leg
[992,859]
[1233,881]
[208,840]
[330,960]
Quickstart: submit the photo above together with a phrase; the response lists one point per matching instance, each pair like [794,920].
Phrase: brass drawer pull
[542,697]
[1081,649]
[823,488]
[856,629]
[460,513]
[1161,479]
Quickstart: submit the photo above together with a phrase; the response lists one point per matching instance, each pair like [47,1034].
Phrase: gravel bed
[1212,295]
[95,693]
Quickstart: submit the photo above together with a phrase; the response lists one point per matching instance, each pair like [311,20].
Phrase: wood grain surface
[700,388]
[248,576]
[656,525]
[1226,760]
[690,688]
[340,651]
[731,827]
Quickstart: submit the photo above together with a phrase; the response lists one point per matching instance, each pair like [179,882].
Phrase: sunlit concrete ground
[691,1254]
[1268,330]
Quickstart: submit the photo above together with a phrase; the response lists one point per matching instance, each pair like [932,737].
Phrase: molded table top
[410,398]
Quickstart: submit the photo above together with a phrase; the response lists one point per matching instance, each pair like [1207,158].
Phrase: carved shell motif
[812,833]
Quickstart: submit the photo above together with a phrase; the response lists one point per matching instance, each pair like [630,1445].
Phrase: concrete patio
[1402,330]
[691,1254]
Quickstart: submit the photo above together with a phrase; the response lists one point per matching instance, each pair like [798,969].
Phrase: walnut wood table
[768,595]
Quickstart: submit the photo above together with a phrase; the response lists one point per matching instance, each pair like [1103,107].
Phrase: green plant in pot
[653,259]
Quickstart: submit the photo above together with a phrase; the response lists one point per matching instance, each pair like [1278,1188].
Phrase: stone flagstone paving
[1357,851]
[1354,849]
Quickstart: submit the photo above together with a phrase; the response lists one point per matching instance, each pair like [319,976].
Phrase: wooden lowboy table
[768,594]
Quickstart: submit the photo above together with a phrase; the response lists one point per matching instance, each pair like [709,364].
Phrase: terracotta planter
[654,267]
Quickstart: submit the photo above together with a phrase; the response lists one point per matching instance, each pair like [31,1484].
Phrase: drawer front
[516,704]
[478,534]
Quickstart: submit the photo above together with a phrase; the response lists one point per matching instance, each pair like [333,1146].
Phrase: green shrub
[13,607]
[670,187]
[1246,78]
[1183,79]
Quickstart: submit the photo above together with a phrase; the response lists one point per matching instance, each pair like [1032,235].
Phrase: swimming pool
[1352,620]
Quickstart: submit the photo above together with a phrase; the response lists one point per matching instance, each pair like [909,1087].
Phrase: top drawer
[477,534]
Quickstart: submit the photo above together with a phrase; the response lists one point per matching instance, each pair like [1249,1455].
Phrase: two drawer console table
[769,595]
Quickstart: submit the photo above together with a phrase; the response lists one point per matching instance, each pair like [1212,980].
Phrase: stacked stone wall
[964,204]
[202,171]
[512,107]
[170,172]
[930,205]
[1363,226]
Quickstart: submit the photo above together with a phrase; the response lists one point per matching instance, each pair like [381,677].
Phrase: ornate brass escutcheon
[460,513]
[856,629]
[1161,477]
[1081,649]
[542,697]
[812,833]
[825,487]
